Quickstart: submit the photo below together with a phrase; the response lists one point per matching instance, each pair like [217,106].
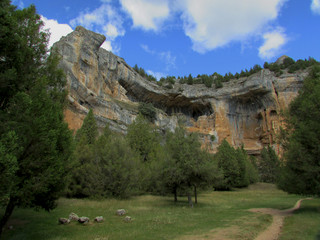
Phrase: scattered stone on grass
[121,212]
[99,219]
[73,217]
[127,219]
[64,221]
[83,220]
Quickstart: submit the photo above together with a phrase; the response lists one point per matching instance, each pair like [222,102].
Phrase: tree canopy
[35,141]
[301,172]
[187,165]
[269,165]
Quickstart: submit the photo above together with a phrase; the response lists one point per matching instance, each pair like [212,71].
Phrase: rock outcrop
[245,111]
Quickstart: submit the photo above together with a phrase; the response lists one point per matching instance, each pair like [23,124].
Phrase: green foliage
[243,163]
[89,129]
[301,173]
[218,83]
[290,65]
[228,164]
[236,167]
[35,142]
[274,67]
[190,80]
[269,165]
[84,180]
[287,62]
[143,138]
[148,111]
[207,81]
[22,55]
[217,79]
[8,165]
[252,170]
[106,168]
[143,73]
[119,167]
[187,165]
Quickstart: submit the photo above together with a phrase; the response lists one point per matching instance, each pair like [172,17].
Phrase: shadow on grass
[183,202]
[307,209]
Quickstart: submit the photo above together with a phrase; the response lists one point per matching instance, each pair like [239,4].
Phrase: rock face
[63,221]
[73,217]
[121,212]
[245,111]
[99,219]
[83,220]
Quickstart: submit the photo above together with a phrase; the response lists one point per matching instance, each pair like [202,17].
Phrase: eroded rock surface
[245,111]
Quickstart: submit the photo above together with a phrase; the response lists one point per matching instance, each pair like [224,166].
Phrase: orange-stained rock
[244,111]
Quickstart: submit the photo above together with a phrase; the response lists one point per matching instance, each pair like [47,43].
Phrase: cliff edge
[245,111]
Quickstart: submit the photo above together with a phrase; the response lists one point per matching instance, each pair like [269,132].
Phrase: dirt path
[278,216]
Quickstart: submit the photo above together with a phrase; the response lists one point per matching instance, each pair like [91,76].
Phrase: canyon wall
[244,111]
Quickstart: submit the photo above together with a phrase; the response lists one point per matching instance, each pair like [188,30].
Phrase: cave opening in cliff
[193,111]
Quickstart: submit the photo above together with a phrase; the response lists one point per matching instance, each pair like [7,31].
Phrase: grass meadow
[218,215]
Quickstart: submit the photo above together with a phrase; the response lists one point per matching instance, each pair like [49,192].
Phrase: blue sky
[179,37]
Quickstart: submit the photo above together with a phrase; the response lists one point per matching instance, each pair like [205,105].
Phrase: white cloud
[90,19]
[157,75]
[111,31]
[147,49]
[164,56]
[169,59]
[106,20]
[107,45]
[56,30]
[214,23]
[315,6]
[18,3]
[273,42]
[147,14]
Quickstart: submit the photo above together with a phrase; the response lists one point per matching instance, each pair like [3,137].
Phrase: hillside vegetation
[286,65]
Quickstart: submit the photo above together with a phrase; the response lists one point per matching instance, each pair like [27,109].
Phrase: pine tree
[301,172]
[186,166]
[143,138]
[35,142]
[228,164]
[120,169]
[89,129]
[269,165]
[84,179]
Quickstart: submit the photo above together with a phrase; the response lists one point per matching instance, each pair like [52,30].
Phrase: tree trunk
[7,214]
[195,195]
[175,195]
[190,200]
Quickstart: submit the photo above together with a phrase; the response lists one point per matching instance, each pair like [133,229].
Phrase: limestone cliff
[245,111]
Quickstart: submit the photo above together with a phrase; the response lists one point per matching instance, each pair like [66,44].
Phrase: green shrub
[148,111]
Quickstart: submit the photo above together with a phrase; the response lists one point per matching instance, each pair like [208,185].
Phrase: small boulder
[83,220]
[73,217]
[99,219]
[121,212]
[127,219]
[64,221]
